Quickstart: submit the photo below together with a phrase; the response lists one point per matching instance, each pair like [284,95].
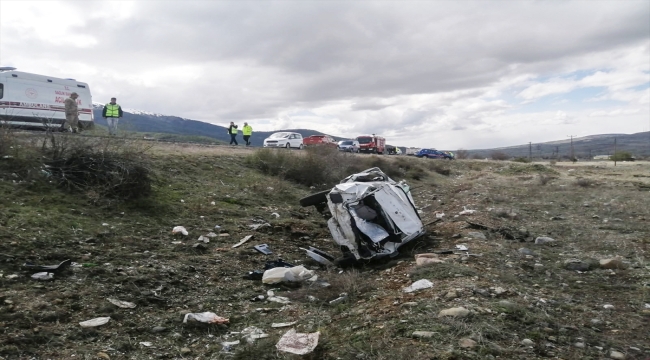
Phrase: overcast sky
[443,74]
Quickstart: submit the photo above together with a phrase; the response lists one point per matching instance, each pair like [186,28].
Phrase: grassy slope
[132,258]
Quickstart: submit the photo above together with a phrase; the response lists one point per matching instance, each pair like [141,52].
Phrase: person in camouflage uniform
[71,113]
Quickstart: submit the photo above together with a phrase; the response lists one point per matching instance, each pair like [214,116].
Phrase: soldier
[71,114]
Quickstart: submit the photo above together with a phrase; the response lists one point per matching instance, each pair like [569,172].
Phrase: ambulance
[37,101]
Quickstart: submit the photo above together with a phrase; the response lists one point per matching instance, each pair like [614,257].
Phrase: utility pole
[614,151]
[530,151]
[572,153]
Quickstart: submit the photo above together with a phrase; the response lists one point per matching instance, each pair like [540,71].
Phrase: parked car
[284,140]
[372,215]
[319,140]
[348,146]
[433,154]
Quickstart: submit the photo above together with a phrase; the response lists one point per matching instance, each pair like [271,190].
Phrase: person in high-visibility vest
[232,130]
[112,113]
[247,131]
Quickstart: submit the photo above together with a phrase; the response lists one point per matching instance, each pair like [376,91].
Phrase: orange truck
[372,144]
[319,140]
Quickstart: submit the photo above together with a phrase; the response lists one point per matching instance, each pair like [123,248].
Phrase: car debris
[280,274]
[256,227]
[342,297]
[319,256]
[242,241]
[252,333]
[205,317]
[43,276]
[95,322]
[372,215]
[121,304]
[263,248]
[418,285]
[466,211]
[281,325]
[49,268]
[427,259]
[203,239]
[298,343]
[462,248]
[179,230]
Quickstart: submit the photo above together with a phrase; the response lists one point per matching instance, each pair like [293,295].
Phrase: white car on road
[284,140]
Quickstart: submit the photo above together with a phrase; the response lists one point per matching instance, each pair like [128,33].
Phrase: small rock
[185,351]
[477,235]
[423,334]
[495,348]
[467,343]
[543,240]
[596,321]
[526,251]
[158,329]
[410,304]
[103,355]
[616,355]
[451,295]
[527,342]
[614,263]
[608,306]
[578,265]
[579,345]
[498,290]
[552,339]
[456,312]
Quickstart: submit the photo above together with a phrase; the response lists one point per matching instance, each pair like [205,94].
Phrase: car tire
[288,146]
[315,199]
[300,147]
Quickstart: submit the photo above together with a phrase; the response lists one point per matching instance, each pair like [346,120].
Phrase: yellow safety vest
[112,110]
[233,130]
[247,130]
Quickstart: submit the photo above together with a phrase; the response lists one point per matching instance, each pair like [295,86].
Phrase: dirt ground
[558,300]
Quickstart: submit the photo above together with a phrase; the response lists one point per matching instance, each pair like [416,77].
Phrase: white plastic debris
[294,274]
[252,333]
[12,276]
[42,276]
[439,215]
[281,325]
[319,256]
[227,345]
[608,306]
[647,306]
[121,304]
[205,317]
[179,230]
[298,343]
[258,226]
[95,322]
[177,242]
[217,227]
[242,241]
[418,285]
[204,239]
[275,214]
[461,247]
[104,224]
[428,258]
[211,235]
[342,297]
[466,211]
[146,343]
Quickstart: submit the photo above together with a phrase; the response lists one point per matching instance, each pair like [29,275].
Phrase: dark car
[433,154]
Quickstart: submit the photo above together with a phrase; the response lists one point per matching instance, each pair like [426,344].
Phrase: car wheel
[315,199]
[288,146]
[300,147]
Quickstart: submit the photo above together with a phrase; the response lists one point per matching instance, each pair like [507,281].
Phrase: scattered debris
[280,274]
[439,214]
[254,275]
[455,312]
[579,265]
[263,248]
[211,235]
[49,268]
[281,325]
[543,240]
[205,317]
[242,241]
[613,263]
[423,334]
[608,306]
[204,239]
[146,343]
[43,276]
[477,235]
[256,227]
[466,211]
[428,258]
[95,322]
[418,285]
[616,355]
[228,345]
[319,256]
[277,263]
[179,230]
[342,297]
[298,343]
[275,214]
[527,252]
[121,304]
[252,333]
[461,248]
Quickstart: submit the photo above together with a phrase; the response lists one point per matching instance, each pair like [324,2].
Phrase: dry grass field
[561,300]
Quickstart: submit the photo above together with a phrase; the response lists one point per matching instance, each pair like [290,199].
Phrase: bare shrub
[583,182]
[462,154]
[543,179]
[499,155]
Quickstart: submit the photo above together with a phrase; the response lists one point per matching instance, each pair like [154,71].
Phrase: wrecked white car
[372,215]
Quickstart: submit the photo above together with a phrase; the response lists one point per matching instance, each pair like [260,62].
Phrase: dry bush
[583,182]
[499,155]
[544,179]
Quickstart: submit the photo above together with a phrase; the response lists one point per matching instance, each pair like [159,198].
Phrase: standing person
[232,130]
[71,113]
[247,131]
[112,113]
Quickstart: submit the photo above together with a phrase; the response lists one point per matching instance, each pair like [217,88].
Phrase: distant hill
[156,123]
[584,147]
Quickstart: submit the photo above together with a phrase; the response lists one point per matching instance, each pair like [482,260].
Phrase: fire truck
[372,144]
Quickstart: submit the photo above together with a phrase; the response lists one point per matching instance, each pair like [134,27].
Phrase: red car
[319,140]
